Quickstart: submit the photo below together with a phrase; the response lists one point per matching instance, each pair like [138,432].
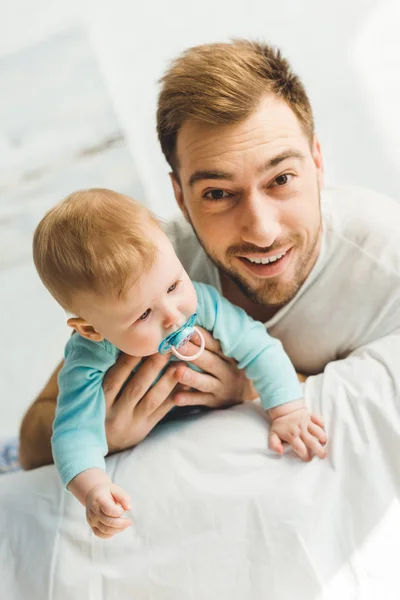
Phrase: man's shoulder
[351,205]
[180,234]
[364,218]
[190,252]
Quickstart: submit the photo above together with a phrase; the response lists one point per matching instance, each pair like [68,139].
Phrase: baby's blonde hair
[93,241]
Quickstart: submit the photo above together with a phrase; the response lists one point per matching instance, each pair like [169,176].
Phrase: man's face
[251,192]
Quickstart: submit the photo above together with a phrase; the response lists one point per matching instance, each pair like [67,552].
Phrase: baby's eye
[172,287]
[145,315]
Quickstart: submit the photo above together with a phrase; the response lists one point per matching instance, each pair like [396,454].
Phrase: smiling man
[321,268]
[251,192]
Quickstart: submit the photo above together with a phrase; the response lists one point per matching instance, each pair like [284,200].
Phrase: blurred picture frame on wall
[59,132]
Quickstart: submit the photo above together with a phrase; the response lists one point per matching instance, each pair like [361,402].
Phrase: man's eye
[216,195]
[173,287]
[145,315]
[283,179]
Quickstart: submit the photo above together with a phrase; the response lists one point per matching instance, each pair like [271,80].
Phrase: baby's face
[157,304]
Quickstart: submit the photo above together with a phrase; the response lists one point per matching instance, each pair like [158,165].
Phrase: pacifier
[180,337]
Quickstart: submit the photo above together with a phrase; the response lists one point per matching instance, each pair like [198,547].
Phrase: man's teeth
[265,261]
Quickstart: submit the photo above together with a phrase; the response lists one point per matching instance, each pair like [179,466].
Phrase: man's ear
[179,195]
[319,163]
[86,330]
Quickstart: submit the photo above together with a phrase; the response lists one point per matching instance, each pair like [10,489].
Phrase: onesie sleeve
[79,440]
[247,341]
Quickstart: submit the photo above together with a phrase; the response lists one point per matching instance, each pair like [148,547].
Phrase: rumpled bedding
[219,516]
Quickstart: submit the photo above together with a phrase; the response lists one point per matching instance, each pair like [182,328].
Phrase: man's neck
[257,311]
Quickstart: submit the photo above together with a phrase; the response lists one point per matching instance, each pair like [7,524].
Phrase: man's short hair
[223,84]
[92,242]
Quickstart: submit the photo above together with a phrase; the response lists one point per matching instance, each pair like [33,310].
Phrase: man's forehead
[273,122]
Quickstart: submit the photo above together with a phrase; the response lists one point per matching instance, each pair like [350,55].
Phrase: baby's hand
[105,505]
[293,423]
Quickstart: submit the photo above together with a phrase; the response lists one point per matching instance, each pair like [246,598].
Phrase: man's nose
[260,220]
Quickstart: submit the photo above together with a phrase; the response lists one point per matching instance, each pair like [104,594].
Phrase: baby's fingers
[318,420]
[121,497]
[100,534]
[314,445]
[109,526]
[109,507]
[300,448]
[318,433]
[111,523]
[275,442]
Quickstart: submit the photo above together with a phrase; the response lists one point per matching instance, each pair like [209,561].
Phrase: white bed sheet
[218,516]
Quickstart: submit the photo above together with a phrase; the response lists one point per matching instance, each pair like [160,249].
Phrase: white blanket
[218,516]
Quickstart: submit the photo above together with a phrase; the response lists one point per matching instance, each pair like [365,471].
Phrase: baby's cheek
[137,345]
[148,344]
[192,304]
[194,308]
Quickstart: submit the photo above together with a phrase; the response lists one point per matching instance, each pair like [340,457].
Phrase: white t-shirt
[343,325]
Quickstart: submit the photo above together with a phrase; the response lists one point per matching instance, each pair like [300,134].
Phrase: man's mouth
[266,266]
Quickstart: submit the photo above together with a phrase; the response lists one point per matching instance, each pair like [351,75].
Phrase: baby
[107,262]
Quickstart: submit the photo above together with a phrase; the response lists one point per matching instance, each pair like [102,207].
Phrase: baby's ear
[86,330]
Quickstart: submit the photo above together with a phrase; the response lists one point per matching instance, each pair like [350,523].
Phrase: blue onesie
[79,440]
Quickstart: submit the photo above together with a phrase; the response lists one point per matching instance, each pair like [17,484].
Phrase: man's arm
[36,427]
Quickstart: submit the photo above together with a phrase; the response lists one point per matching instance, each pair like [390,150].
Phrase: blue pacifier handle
[180,337]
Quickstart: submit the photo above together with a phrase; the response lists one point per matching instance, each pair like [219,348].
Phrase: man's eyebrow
[218,175]
[276,160]
[200,175]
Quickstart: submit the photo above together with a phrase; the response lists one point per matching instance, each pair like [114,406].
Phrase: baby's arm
[105,502]
[79,443]
[270,369]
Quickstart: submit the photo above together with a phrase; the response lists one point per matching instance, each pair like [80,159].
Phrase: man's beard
[270,292]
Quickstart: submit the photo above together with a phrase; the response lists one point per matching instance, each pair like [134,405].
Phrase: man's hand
[134,412]
[222,384]
[293,423]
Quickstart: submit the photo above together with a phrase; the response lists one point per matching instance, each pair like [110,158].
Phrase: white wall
[347,52]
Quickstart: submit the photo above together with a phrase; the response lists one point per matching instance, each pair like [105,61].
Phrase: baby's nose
[171,318]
